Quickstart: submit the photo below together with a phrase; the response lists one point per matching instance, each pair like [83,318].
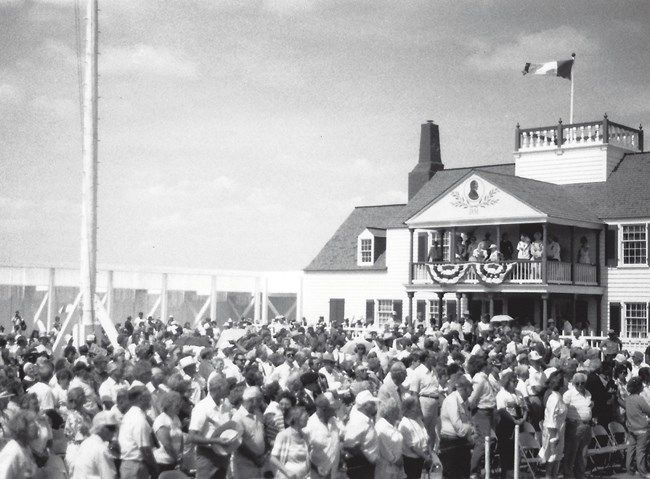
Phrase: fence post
[516,463]
[487,457]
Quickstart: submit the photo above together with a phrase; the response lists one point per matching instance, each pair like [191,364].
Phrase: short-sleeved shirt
[135,432]
[175,434]
[207,416]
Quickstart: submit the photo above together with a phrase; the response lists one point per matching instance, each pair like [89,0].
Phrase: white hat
[90,338]
[534,356]
[186,361]
[364,397]
[104,418]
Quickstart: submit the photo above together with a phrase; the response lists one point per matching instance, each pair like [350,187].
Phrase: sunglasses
[111,428]
[579,384]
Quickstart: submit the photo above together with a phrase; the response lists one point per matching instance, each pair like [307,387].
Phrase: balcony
[508,272]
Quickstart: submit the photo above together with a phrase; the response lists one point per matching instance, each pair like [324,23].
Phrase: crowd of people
[467,248]
[292,400]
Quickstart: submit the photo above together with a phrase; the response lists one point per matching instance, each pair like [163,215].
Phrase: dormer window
[371,244]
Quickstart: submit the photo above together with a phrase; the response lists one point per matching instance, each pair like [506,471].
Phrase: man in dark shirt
[506,247]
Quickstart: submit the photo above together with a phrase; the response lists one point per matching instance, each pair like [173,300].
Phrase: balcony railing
[508,272]
[578,134]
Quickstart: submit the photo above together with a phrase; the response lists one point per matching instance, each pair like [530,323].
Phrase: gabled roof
[444,180]
[340,252]
[557,201]
[625,194]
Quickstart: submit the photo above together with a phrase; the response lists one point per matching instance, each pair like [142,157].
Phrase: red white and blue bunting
[449,273]
[493,273]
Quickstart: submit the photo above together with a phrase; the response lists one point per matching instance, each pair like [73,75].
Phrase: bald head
[398,372]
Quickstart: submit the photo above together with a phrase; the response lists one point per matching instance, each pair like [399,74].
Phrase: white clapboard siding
[630,285]
[356,287]
[576,165]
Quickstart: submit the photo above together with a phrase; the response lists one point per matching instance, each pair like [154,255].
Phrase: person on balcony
[495,255]
[471,245]
[506,247]
[553,252]
[435,252]
[583,252]
[523,247]
[461,247]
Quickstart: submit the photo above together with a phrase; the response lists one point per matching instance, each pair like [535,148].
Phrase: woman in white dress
[389,464]
[554,423]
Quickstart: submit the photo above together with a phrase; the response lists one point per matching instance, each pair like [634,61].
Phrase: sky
[239,134]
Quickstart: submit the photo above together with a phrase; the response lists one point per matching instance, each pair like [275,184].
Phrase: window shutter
[611,246]
[422,247]
[397,307]
[451,308]
[647,253]
[615,317]
[370,309]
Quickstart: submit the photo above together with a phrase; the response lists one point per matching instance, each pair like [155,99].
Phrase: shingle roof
[340,252]
[625,194]
[557,201]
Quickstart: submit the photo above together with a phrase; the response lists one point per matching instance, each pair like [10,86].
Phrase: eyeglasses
[579,384]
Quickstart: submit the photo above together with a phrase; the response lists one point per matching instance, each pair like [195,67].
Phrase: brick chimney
[429,162]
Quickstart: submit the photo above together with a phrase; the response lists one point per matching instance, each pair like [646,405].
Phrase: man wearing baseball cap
[93,458]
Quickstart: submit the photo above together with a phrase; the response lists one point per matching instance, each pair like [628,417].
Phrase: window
[634,244]
[636,320]
[384,311]
[366,251]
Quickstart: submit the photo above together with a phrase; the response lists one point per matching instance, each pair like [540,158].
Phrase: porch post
[491,304]
[544,311]
[599,258]
[439,321]
[505,305]
[459,305]
[452,245]
[544,253]
[497,240]
[410,295]
[573,311]
[411,231]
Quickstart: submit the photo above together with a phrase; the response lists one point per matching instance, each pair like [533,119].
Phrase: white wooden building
[584,184]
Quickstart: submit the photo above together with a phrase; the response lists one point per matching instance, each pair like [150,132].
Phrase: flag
[556,69]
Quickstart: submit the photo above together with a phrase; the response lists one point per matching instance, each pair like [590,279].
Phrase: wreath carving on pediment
[463,201]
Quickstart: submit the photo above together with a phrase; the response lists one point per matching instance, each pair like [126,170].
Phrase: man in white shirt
[578,426]
[114,382]
[423,383]
[284,370]
[210,413]
[360,442]
[42,389]
[483,400]
[93,459]
[455,430]
[136,449]
[578,341]
[249,457]
[322,436]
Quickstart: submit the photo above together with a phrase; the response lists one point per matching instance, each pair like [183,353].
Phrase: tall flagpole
[573,69]
[88,267]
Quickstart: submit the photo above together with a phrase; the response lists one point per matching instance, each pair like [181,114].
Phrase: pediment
[474,200]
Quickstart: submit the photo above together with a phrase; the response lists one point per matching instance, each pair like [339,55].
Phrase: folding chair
[618,436]
[529,449]
[530,429]
[600,448]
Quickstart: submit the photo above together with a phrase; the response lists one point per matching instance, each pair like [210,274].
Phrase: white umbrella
[501,318]
[351,346]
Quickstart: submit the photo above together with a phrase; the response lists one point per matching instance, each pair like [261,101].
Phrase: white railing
[523,272]
[585,274]
[558,272]
[578,134]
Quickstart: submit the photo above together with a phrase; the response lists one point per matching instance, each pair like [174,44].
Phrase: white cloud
[10,94]
[544,46]
[148,59]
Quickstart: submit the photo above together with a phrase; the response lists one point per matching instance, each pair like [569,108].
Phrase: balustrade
[578,134]
[522,272]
